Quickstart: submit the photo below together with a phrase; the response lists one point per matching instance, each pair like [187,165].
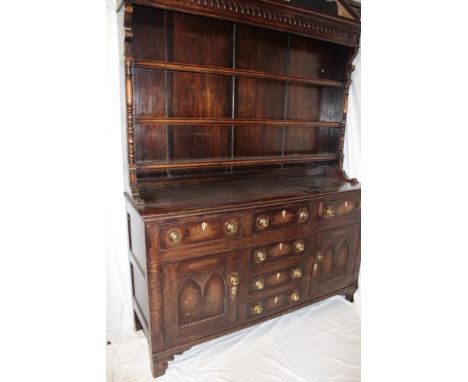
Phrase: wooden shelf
[246,161]
[162,65]
[233,121]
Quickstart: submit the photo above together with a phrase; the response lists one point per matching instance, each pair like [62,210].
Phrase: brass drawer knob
[175,236]
[263,222]
[258,308]
[319,257]
[303,215]
[294,296]
[296,273]
[299,246]
[259,284]
[328,212]
[234,280]
[231,227]
[260,255]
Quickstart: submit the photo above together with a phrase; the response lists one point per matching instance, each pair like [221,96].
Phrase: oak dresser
[238,208]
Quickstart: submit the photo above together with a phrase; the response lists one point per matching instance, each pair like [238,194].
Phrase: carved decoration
[129,83]
[298,21]
[198,303]
[318,26]
[349,70]
[265,13]
[128,12]
[335,261]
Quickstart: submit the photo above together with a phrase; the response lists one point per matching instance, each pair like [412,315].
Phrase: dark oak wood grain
[312,80]
[237,121]
[237,206]
[248,161]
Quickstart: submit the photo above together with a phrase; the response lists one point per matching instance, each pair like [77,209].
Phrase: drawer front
[268,253]
[343,207]
[201,230]
[281,217]
[281,276]
[281,300]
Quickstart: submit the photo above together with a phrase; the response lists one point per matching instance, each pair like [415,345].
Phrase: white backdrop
[119,308]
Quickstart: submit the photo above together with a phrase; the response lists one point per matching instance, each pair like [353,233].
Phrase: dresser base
[160,360]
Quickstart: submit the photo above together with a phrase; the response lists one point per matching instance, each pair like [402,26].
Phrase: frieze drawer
[280,218]
[332,209]
[200,231]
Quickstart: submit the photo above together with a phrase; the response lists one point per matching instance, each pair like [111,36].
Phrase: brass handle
[175,236]
[258,308]
[296,273]
[231,227]
[299,245]
[260,255]
[319,257]
[263,222]
[294,296]
[259,284]
[303,215]
[234,280]
[328,212]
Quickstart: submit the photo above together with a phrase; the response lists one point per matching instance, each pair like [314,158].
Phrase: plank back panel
[163,36]
[199,142]
[198,40]
[149,38]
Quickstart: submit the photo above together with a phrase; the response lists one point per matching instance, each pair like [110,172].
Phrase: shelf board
[233,121]
[245,161]
[163,65]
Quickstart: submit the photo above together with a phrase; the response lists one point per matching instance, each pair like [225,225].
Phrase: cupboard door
[334,259]
[200,296]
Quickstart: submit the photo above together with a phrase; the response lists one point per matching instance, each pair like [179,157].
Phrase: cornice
[268,15]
